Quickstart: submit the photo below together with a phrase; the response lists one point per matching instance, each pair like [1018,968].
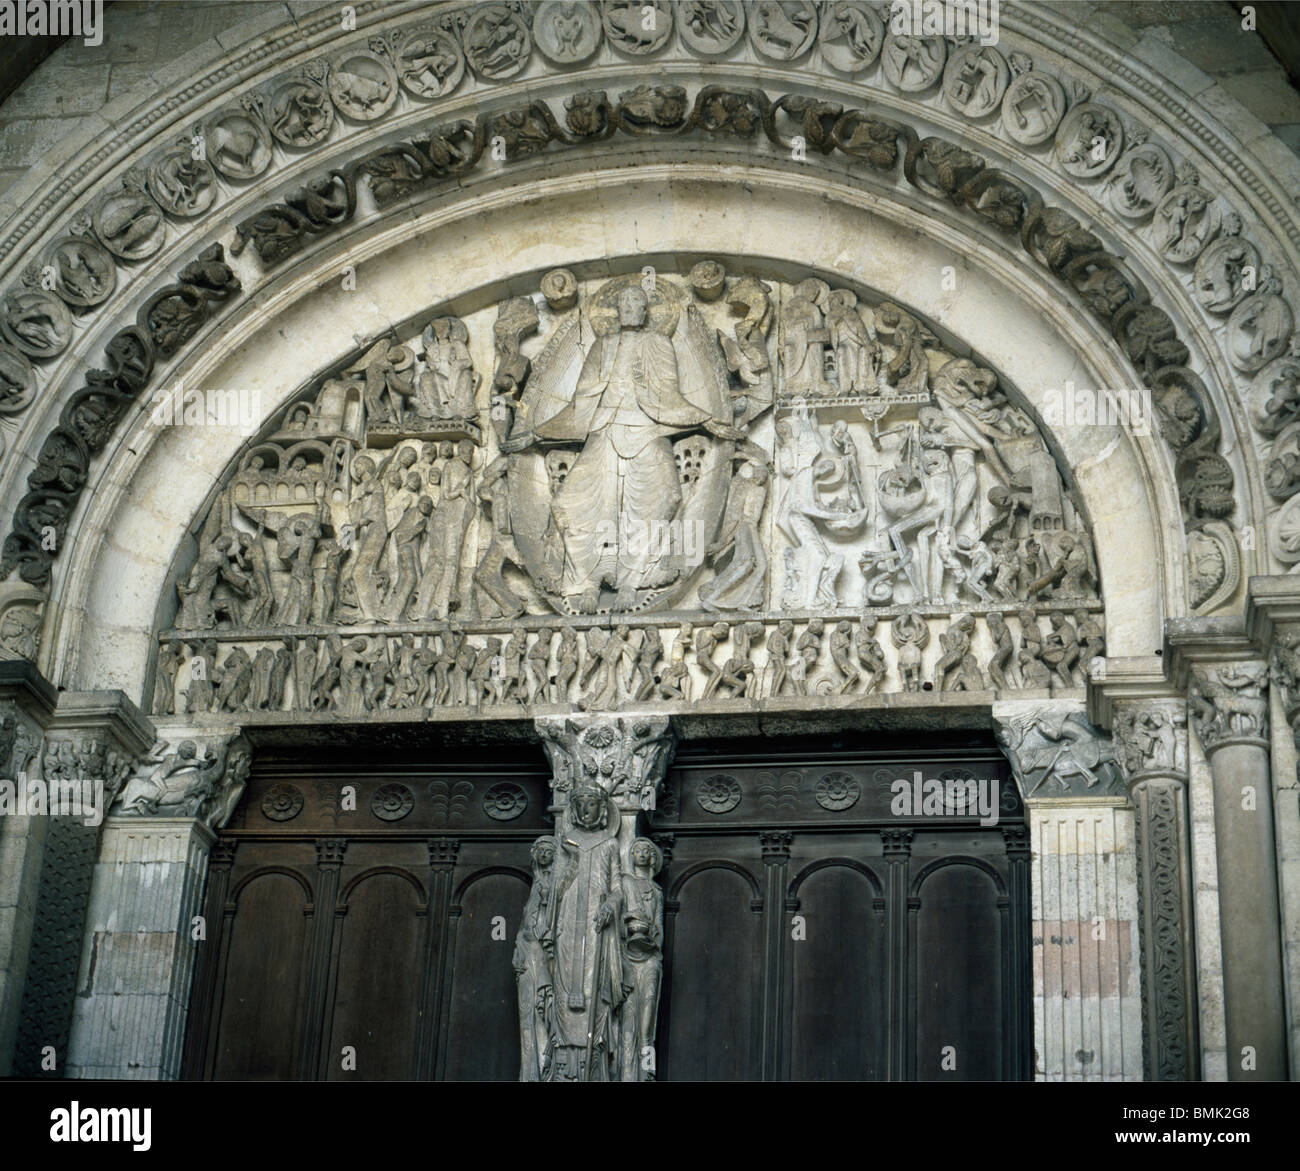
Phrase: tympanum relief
[652,488]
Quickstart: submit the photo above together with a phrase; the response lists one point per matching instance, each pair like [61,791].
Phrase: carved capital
[330,851]
[1229,705]
[776,846]
[625,755]
[201,776]
[89,765]
[1055,751]
[665,842]
[1150,740]
[443,852]
[897,843]
[1016,838]
[222,854]
[1284,673]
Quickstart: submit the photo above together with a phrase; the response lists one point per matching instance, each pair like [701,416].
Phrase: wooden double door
[360,922]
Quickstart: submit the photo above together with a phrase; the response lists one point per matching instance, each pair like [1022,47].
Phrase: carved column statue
[26,706]
[1229,709]
[589,953]
[1151,747]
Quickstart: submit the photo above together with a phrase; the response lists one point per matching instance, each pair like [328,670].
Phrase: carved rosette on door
[672,487]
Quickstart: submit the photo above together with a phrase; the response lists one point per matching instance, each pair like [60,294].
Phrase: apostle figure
[533,966]
[588,963]
[643,960]
[624,483]
[446,389]
[437,589]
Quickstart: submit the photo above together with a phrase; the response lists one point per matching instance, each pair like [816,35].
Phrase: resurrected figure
[643,960]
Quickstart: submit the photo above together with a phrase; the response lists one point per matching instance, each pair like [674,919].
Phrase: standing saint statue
[532,963]
[624,484]
[643,960]
[587,969]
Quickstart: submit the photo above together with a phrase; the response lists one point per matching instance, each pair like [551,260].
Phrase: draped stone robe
[625,480]
[588,966]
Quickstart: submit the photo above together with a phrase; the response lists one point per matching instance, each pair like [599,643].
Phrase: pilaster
[1087,999]
[91,743]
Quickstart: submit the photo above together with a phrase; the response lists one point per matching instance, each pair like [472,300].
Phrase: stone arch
[1027,33]
[1087,269]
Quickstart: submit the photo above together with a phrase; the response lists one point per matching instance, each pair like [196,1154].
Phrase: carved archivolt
[667,487]
[431,58]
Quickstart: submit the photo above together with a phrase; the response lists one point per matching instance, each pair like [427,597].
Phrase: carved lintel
[626,756]
[1229,705]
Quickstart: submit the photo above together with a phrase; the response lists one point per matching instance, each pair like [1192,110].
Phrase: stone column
[91,744]
[1229,708]
[1087,1005]
[1151,744]
[140,940]
[26,706]
[1273,619]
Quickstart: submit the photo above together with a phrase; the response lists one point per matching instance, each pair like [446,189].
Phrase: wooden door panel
[910,940]
[959,995]
[376,1002]
[261,1003]
[838,990]
[711,980]
[483,1026]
